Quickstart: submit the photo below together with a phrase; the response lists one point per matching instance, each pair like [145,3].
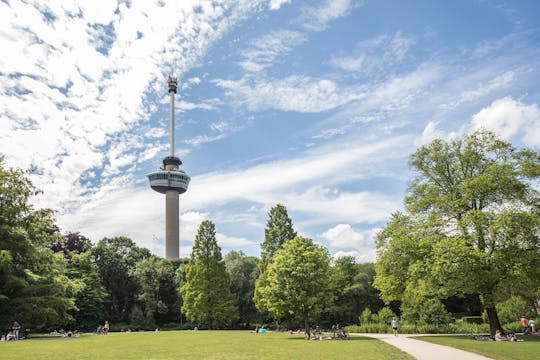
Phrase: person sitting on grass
[499,336]
[11,336]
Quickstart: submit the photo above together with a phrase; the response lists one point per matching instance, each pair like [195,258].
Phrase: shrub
[366,317]
[452,328]
[472,320]
[385,315]
[419,310]
[513,309]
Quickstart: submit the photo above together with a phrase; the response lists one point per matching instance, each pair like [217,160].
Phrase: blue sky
[312,104]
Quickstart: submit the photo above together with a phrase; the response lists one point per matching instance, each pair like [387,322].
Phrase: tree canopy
[471,224]
[279,230]
[298,281]
[206,293]
[34,288]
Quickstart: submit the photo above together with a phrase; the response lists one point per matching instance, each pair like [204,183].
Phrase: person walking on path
[531,326]
[106,328]
[395,326]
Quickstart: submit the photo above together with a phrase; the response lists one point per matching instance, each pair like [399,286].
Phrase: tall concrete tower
[171,181]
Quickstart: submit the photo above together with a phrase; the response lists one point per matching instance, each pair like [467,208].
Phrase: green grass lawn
[529,349]
[197,345]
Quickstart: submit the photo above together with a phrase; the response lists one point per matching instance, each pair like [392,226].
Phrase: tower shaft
[172,228]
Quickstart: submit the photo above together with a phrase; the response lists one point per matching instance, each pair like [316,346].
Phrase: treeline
[50,279]
[467,243]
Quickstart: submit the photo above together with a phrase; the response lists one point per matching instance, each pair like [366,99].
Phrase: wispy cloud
[264,51]
[293,93]
[318,18]
[376,54]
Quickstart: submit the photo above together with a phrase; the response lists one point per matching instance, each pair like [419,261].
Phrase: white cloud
[293,93]
[264,51]
[318,18]
[225,241]
[276,4]
[429,134]
[508,118]
[501,81]
[350,242]
[365,256]
[376,55]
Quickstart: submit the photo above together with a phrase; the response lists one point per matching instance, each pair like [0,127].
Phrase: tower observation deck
[171,181]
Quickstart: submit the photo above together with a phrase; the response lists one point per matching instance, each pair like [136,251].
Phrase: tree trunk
[289,321]
[493,319]
[307,329]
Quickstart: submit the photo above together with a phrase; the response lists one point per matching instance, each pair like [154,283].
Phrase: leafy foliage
[243,271]
[34,288]
[116,259]
[157,297]
[206,293]
[513,309]
[298,281]
[471,227]
[278,231]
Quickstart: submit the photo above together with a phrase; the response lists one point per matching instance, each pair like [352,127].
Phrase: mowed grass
[529,349]
[198,345]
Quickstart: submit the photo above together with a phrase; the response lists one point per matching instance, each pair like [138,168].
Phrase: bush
[385,315]
[366,317]
[419,310]
[513,309]
[452,328]
[472,320]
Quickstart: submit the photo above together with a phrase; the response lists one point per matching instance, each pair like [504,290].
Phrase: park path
[423,350]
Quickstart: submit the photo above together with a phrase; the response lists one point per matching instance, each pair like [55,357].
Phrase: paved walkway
[423,350]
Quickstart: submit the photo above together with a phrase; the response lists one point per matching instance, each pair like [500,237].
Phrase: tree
[206,294]
[90,293]
[353,291]
[298,281]
[117,258]
[421,310]
[471,226]
[243,271]
[71,242]
[157,298]
[279,230]
[34,289]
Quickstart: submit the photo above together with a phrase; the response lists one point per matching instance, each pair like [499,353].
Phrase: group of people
[13,333]
[103,330]
[528,326]
[510,336]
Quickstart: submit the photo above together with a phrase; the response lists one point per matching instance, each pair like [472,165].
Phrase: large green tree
[206,294]
[353,291]
[471,224]
[90,293]
[243,271]
[158,299]
[279,230]
[298,281]
[34,288]
[117,258]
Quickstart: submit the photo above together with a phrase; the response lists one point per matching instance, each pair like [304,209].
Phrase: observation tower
[171,181]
